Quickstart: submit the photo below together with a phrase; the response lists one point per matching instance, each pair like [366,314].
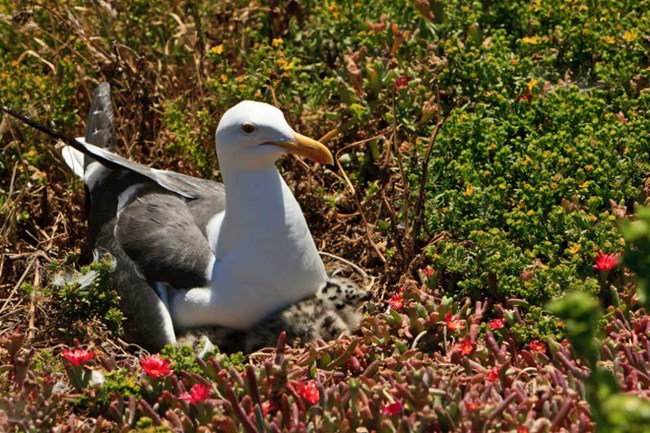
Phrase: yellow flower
[531,84]
[533,40]
[630,35]
[224,77]
[573,249]
[585,184]
[469,191]
[277,42]
[609,39]
[217,49]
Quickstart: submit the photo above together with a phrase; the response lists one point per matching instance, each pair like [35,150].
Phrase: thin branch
[402,172]
[356,197]
[417,218]
[31,329]
[347,262]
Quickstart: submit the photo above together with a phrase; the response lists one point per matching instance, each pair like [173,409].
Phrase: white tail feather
[74,159]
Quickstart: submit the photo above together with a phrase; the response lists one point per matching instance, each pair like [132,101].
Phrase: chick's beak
[308,147]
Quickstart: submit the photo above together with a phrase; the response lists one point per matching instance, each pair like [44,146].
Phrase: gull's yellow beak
[309,148]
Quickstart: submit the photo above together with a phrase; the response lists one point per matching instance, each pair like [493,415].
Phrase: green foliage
[86,294]
[637,253]
[117,382]
[184,358]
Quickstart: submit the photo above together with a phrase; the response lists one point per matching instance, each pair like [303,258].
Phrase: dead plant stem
[355,196]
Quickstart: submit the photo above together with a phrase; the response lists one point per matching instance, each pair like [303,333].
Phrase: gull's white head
[254,135]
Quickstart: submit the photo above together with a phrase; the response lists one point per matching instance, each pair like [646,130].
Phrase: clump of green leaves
[185,358]
[86,294]
[637,253]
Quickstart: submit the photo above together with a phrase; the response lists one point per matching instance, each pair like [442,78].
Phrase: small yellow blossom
[469,191]
[531,85]
[609,40]
[573,249]
[593,218]
[530,212]
[217,49]
[585,184]
[224,77]
[630,35]
[277,42]
[533,40]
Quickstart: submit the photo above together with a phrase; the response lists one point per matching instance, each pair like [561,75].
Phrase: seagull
[192,252]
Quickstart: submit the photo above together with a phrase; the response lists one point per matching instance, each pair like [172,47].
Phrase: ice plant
[392,409]
[492,375]
[77,357]
[79,376]
[473,405]
[156,366]
[452,322]
[308,391]
[495,324]
[198,393]
[396,302]
[402,82]
[606,262]
[466,346]
[537,346]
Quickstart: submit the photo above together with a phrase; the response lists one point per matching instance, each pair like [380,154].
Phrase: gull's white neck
[265,255]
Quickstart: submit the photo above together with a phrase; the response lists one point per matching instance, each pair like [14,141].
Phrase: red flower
[427,272]
[522,429]
[453,324]
[495,324]
[156,366]
[492,375]
[474,405]
[392,409]
[606,262]
[197,394]
[537,346]
[308,391]
[267,407]
[526,97]
[396,302]
[77,357]
[402,82]
[466,346]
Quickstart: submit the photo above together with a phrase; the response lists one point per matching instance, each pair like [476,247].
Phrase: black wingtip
[49,131]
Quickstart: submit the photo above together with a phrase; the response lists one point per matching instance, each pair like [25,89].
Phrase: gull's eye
[248,128]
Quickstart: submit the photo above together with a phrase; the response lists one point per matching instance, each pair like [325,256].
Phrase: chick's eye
[248,128]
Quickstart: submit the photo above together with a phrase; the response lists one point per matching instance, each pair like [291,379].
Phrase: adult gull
[218,254]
